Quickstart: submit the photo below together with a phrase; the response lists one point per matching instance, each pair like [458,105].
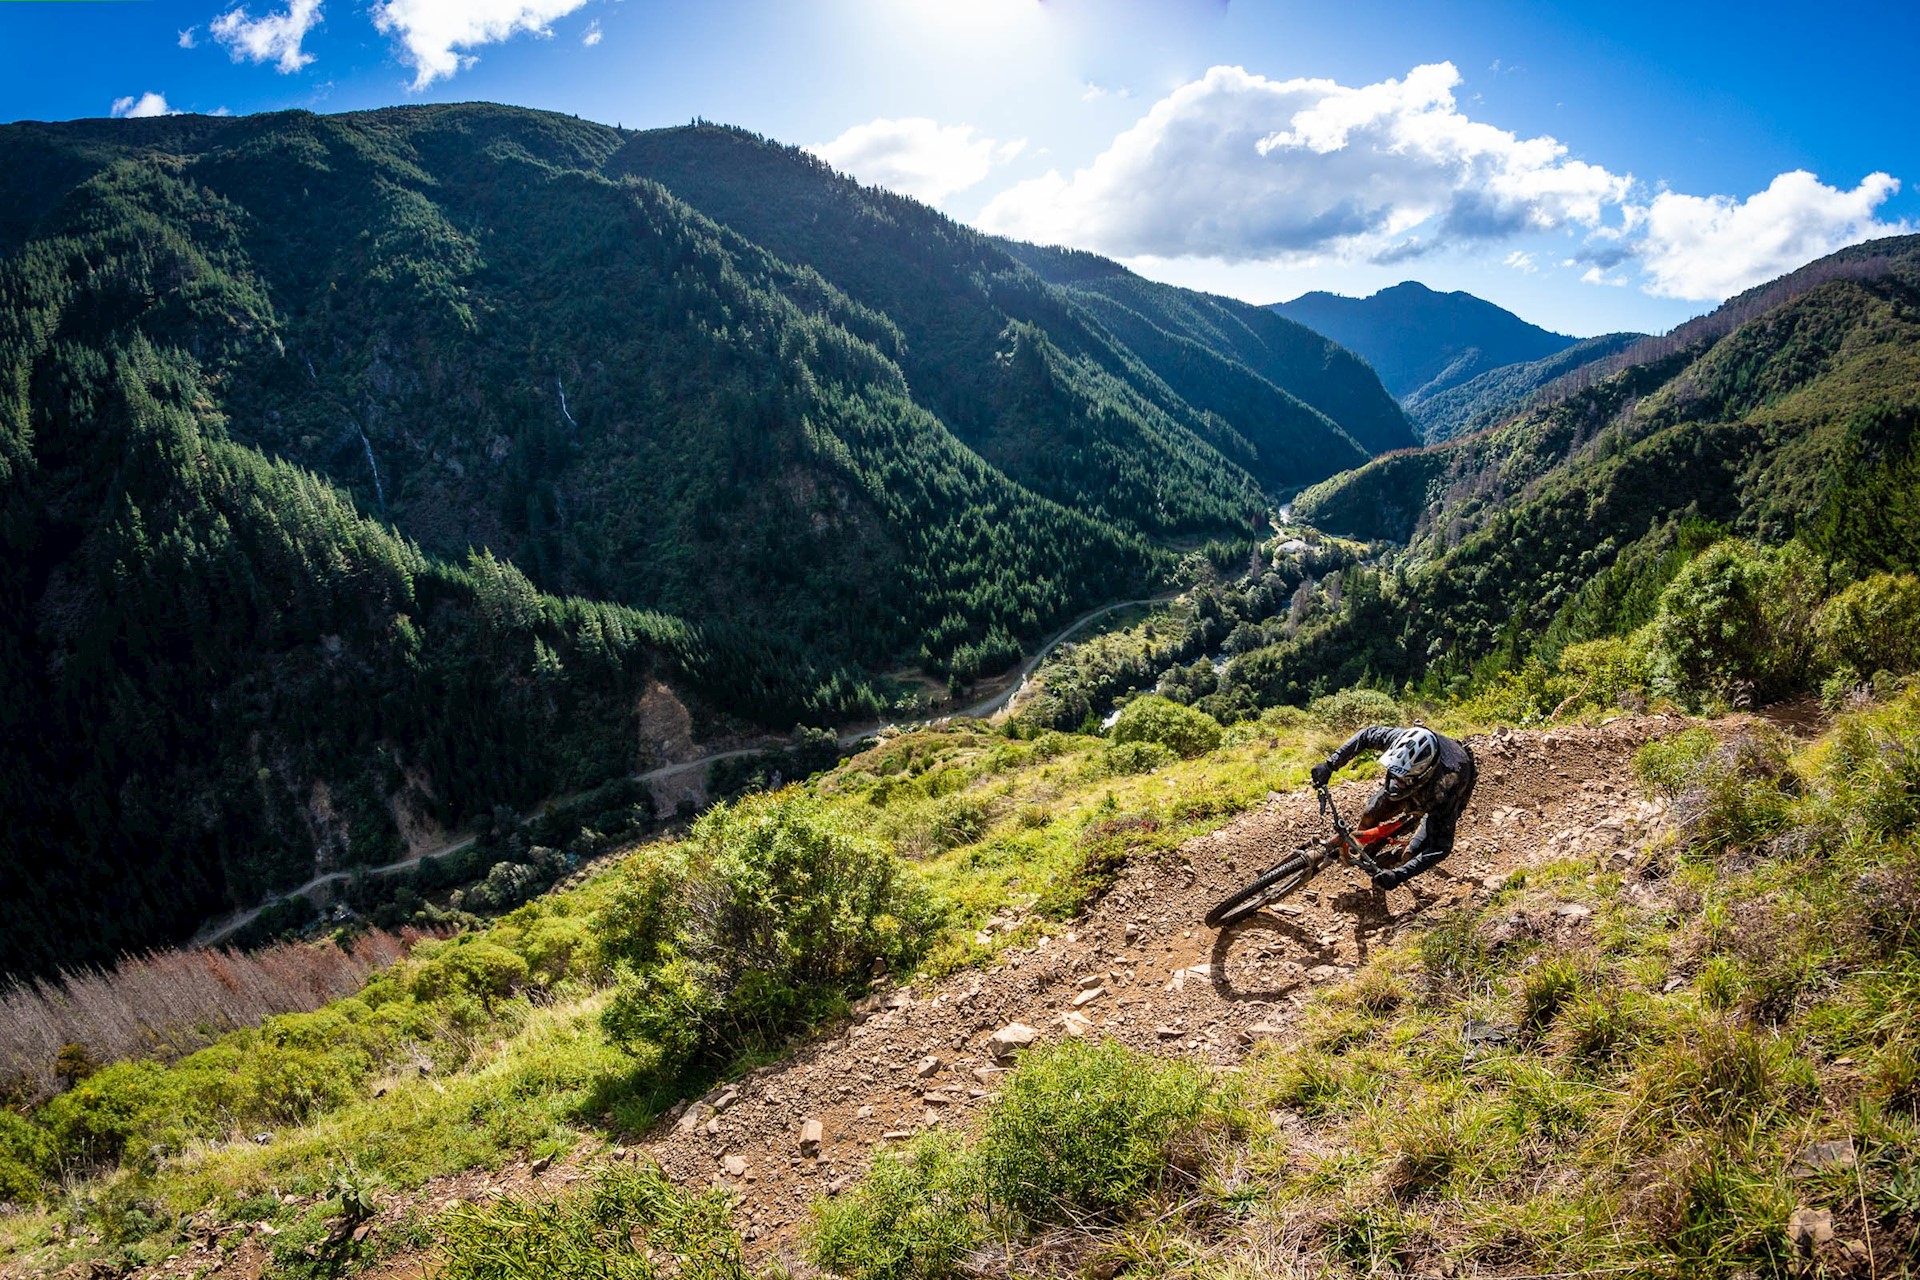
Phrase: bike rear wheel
[1271,887]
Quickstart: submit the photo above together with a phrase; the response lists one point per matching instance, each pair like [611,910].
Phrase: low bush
[1153,719]
[913,1218]
[784,909]
[1735,624]
[1873,625]
[1086,1129]
[1354,708]
[1122,759]
[632,1225]
[1081,1133]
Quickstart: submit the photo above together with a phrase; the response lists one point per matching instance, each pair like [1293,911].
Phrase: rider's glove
[1384,880]
[1321,773]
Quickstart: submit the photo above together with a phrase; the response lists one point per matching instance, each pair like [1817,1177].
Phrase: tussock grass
[1629,1100]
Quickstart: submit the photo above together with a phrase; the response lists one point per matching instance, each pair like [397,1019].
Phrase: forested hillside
[1490,398]
[1786,419]
[360,473]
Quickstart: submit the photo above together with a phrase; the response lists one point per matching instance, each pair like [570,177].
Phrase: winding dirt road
[216,931]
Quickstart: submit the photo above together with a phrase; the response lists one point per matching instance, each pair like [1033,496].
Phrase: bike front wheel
[1271,887]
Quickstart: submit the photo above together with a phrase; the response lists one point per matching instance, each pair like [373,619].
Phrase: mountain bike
[1355,848]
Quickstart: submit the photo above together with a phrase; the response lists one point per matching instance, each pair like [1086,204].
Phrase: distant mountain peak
[1422,341]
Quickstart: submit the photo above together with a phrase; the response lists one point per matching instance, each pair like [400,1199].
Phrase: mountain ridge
[1422,341]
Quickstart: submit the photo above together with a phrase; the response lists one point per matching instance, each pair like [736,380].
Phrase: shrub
[912,1219]
[785,908]
[24,1154]
[632,1225]
[1599,673]
[1354,708]
[1123,758]
[1086,1129]
[1182,730]
[1666,766]
[471,966]
[1872,625]
[1734,623]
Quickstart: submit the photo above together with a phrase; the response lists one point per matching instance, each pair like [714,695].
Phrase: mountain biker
[1427,774]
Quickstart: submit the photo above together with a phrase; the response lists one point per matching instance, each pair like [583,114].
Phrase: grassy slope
[1740,989]
[990,821]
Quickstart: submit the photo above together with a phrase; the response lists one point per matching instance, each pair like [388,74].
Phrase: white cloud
[1242,168]
[1712,247]
[188,40]
[274,38]
[593,35]
[147,104]
[1521,262]
[917,157]
[433,33]
[1091,92]
[1598,275]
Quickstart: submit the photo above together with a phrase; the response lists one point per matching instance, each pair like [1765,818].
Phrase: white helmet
[1410,760]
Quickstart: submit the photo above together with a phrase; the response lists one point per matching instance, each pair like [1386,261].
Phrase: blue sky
[1591,166]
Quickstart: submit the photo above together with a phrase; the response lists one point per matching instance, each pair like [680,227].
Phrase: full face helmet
[1409,761]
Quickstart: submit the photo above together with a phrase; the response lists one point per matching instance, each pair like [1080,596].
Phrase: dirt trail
[1161,982]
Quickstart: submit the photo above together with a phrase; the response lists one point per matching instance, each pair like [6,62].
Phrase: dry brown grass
[170,1003]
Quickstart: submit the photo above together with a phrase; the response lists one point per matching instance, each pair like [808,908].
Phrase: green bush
[1872,626]
[1667,766]
[786,907]
[1086,1129]
[1354,708]
[1124,758]
[25,1154]
[633,1225]
[912,1219]
[1735,624]
[1182,730]
[470,965]
[1599,673]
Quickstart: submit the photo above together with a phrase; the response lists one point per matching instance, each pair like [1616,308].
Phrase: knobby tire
[1275,884]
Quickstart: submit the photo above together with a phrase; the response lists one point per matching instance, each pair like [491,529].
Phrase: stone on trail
[1078,1024]
[1168,1033]
[1010,1039]
[735,1166]
[811,1135]
[1262,1031]
[1088,996]
[926,1066]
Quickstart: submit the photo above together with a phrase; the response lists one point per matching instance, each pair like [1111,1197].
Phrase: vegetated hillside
[1153,317]
[361,472]
[1273,398]
[1490,398]
[1422,342]
[1789,414]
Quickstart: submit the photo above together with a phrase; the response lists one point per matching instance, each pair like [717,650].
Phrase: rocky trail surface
[1138,967]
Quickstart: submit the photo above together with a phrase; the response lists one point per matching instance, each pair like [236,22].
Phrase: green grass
[1743,990]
